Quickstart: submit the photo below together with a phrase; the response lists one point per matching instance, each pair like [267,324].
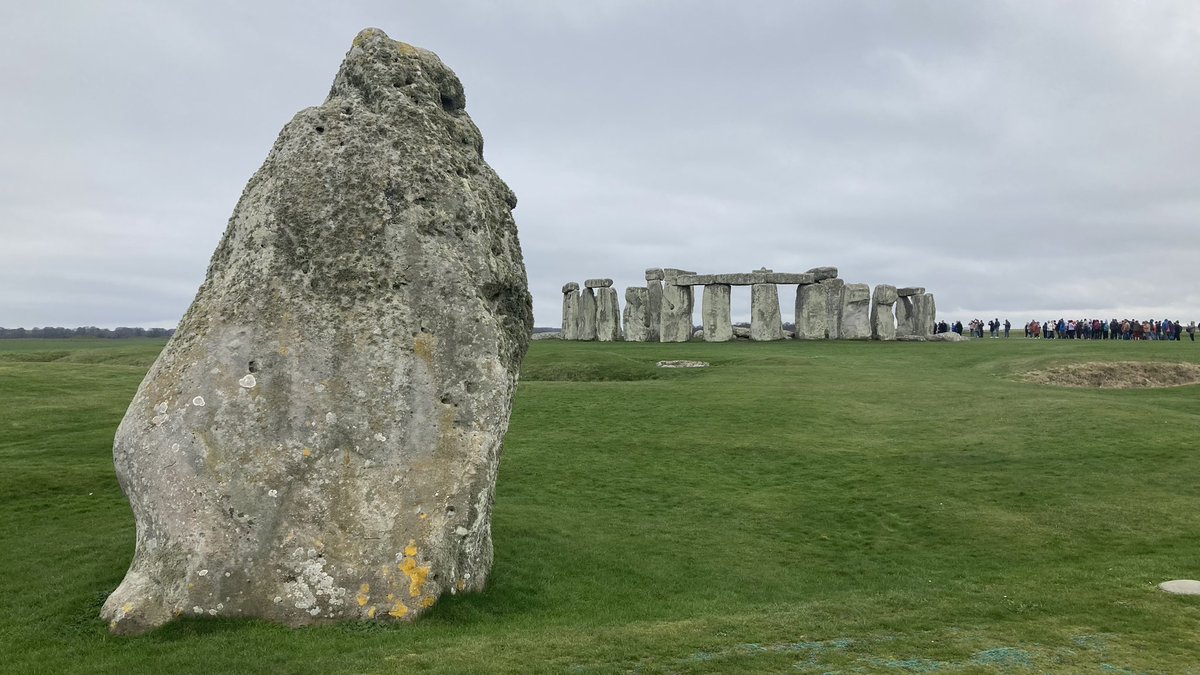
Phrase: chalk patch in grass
[1181,586]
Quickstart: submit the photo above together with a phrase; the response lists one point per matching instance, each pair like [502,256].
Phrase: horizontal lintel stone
[598,283]
[569,287]
[909,290]
[744,279]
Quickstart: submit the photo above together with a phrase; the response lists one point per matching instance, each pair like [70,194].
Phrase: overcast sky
[1018,159]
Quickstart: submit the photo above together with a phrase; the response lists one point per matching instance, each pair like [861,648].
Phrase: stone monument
[319,440]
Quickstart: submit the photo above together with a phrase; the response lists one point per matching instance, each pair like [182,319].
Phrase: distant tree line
[85,331]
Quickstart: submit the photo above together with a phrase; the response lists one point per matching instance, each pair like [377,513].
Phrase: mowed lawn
[797,507]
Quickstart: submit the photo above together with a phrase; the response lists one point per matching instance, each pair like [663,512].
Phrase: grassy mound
[1118,375]
[796,507]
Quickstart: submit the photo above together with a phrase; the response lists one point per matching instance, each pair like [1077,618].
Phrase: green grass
[797,507]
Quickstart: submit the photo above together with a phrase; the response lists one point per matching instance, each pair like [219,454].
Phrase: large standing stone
[587,314]
[608,315]
[835,290]
[570,311]
[906,316]
[925,314]
[883,321]
[718,325]
[812,312]
[856,313]
[320,439]
[637,314]
[766,324]
[678,304]
[654,302]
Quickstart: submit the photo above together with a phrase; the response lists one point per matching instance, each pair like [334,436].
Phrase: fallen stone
[682,363]
[608,315]
[909,290]
[637,314]
[598,283]
[356,342]
[1181,587]
[948,337]
[911,338]
[547,335]
[741,333]
[698,334]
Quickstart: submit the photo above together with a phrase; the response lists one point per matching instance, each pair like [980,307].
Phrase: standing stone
[925,314]
[320,438]
[812,312]
[637,314]
[835,290]
[856,313]
[718,325]
[587,314]
[675,320]
[906,316]
[766,324]
[608,315]
[883,322]
[654,278]
[570,311]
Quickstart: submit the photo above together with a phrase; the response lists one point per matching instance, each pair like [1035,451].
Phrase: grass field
[797,507]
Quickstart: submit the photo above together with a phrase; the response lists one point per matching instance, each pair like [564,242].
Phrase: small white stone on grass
[1181,586]
[682,364]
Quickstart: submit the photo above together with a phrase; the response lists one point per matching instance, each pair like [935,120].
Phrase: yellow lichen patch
[462,583]
[399,610]
[371,612]
[307,452]
[423,516]
[428,601]
[405,48]
[283,351]
[416,573]
[364,594]
[423,345]
[127,607]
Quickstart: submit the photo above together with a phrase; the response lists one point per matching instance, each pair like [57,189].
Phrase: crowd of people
[1080,329]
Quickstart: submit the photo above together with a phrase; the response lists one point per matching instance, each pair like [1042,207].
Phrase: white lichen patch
[273,493]
[161,408]
[248,381]
[198,401]
[330,418]
[381,438]
[203,573]
[312,585]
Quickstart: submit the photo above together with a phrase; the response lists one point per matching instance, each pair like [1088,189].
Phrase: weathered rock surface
[856,313]
[948,337]
[906,316]
[812,312]
[654,307]
[883,321]
[637,314]
[823,273]
[744,279]
[909,290]
[320,439]
[741,333]
[598,283]
[570,312]
[608,315]
[678,304]
[654,274]
[765,322]
[718,325]
[835,290]
[547,335]
[924,314]
[587,315]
